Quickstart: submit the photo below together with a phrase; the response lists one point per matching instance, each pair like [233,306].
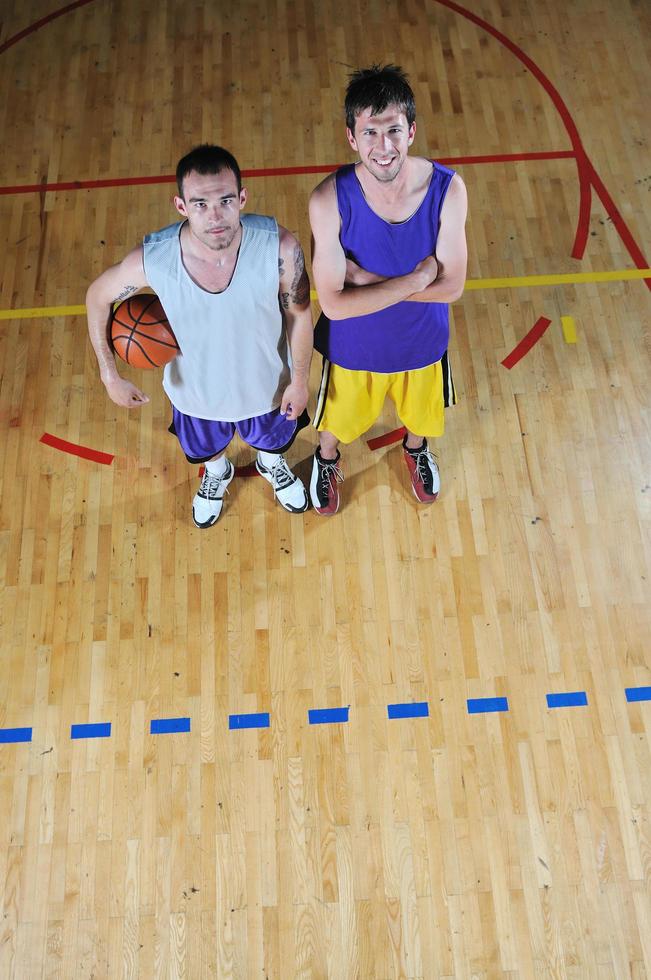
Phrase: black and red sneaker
[425,479]
[324,490]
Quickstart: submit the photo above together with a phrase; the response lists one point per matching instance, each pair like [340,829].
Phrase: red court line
[624,233]
[387,439]
[564,112]
[41,23]
[81,185]
[527,342]
[75,450]
[587,175]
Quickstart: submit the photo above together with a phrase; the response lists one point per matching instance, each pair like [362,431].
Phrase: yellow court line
[513,282]
[31,314]
[568,327]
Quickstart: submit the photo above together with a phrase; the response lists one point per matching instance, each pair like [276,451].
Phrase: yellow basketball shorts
[349,402]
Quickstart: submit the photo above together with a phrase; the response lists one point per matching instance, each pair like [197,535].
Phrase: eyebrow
[222,197]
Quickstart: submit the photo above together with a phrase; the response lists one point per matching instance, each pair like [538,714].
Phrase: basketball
[141,334]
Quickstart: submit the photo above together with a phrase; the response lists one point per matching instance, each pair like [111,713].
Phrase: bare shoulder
[325,189]
[323,209]
[324,196]
[456,199]
[134,260]
[289,246]
[457,187]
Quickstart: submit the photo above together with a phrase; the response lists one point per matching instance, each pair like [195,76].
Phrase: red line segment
[527,342]
[588,177]
[82,185]
[41,23]
[387,439]
[71,447]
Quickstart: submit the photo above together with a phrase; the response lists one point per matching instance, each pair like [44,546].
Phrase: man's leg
[204,442]
[272,434]
[420,402]
[423,468]
[209,499]
[326,475]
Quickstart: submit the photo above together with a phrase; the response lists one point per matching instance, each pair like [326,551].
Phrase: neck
[388,191]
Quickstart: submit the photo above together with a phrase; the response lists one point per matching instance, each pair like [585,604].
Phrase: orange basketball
[140,333]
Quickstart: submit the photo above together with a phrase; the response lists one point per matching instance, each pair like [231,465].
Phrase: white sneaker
[207,504]
[288,489]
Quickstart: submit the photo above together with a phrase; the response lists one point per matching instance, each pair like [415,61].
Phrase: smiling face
[382,141]
[212,204]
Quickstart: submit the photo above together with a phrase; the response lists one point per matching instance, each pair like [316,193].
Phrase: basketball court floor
[403,742]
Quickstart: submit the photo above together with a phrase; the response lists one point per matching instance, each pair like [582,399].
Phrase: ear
[179,204]
[243,197]
[351,138]
[412,133]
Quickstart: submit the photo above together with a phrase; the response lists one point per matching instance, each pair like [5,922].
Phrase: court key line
[323,168]
[323,716]
[472,285]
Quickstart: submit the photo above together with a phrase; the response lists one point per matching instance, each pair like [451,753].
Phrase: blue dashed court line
[414,709]
[15,735]
[260,720]
[569,699]
[324,716]
[102,730]
[327,716]
[164,726]
[478,706]
[638,693]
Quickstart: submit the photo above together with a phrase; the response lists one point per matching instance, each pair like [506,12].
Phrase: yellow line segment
[568,327]
[512,282]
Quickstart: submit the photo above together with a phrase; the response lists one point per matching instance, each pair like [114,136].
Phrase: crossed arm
[294,297]
[346,290]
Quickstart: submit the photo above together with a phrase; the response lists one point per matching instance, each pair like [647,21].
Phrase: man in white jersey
[237,296]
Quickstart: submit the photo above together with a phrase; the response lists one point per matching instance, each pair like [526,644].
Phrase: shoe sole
[288,507]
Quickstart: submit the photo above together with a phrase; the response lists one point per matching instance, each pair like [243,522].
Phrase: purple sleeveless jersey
[404,336]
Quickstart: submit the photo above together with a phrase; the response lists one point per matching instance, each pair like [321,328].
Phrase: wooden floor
[512,843]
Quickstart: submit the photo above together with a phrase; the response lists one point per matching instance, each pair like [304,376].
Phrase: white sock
[268,459]
[218,467]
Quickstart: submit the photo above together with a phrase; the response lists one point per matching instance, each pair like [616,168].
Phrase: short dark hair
[207,159]
[376,88]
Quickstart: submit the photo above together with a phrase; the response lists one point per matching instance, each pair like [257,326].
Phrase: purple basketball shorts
[201,439]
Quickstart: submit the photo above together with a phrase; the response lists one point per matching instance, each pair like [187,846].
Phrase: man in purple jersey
[389,255]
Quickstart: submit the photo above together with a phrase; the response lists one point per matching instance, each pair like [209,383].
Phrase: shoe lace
[281,475]
[329,471]
[423,459]
[211,485]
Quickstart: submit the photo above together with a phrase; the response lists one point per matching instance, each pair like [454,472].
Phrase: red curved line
[41,23]
[527,342]
[587,175]
[585,203]
[561,108]
[71,447]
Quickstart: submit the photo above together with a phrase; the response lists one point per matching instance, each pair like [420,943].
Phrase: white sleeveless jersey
[234,360]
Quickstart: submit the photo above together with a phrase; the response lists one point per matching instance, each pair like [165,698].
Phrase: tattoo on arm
[300,288]
[127,291]
[284,301]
